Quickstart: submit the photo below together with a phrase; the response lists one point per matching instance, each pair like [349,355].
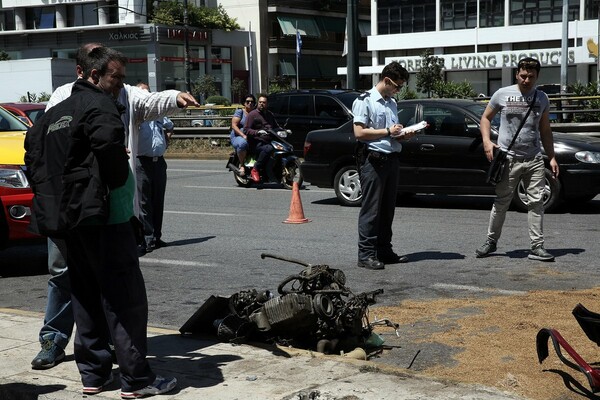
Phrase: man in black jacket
[258,122]
[78,164]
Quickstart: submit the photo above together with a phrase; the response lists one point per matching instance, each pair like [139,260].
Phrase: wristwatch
[388,131]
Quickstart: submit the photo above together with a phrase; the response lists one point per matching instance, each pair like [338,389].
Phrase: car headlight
[590,157]
[13,177]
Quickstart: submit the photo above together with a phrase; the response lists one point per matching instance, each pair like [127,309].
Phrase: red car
[15,193]
[26,112]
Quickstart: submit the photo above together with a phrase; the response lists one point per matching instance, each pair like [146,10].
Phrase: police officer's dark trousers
[379,184]
[109,299]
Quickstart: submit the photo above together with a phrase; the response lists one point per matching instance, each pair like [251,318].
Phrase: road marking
[269,189]
[198,170]
[202,213]
[144,260]
[477,289]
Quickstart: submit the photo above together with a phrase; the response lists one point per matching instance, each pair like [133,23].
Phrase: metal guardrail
[217,132]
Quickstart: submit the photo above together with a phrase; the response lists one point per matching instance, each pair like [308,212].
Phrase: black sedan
[447,157]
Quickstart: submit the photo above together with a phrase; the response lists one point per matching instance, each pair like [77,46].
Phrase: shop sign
[120,36]
[178,34]
[492,60]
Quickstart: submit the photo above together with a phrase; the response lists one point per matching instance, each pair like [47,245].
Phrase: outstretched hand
[185,99]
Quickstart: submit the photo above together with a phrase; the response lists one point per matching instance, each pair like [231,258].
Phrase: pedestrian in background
[525,161]
[378,133]
[152,178]
[238,138]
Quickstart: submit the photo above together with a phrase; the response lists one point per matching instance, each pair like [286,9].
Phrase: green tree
[406,93]
[280,84]
[430,72]
[238,88]
[450,90]
[591,90]
[171,13]
[204,87]
[35,98]
[4,56]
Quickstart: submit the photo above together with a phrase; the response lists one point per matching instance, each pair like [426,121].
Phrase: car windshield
[9,122]
[35,114]
[478,110]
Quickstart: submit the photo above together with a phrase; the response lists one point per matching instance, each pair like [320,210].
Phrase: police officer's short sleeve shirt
[374,111]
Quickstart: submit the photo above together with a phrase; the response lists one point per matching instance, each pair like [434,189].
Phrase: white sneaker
[159,386]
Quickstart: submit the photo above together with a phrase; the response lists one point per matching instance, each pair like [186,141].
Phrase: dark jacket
[75,154]
[255,121]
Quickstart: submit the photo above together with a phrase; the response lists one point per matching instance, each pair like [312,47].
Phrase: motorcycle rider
[258,122]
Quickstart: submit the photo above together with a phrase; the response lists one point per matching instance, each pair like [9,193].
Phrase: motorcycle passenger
[237,136]
[258,122]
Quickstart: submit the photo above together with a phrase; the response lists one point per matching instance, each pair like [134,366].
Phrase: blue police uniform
[378,176]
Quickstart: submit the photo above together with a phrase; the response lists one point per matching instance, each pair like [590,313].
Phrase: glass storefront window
[40,18]
[405,16]
[461,14]
[491,13]
[526,12]
[82,14]
[7,20]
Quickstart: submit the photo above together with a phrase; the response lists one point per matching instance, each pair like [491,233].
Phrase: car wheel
[347,186]
[290,173]
[552,194]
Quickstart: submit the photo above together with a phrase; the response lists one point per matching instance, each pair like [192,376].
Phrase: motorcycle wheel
[243,181]
[291,172]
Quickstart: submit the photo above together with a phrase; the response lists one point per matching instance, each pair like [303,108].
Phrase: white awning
[307,26]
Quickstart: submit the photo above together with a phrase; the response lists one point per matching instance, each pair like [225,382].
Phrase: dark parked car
[447,157]
[303,111]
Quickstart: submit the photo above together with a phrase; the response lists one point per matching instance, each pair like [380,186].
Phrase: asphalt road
[217,232]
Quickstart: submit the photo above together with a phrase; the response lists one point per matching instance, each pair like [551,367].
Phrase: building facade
[32,29]
[321,25]
[482,40]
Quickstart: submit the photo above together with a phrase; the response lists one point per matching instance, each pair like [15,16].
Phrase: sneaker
[50,355]
[97,389]
[254,175]
[540,254]
[159,386]
[488,247]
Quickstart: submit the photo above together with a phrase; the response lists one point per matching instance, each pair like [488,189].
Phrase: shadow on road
[24,260]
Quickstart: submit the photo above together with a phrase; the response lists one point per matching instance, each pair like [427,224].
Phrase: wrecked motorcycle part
[593,375]
[315,309]
[589,322]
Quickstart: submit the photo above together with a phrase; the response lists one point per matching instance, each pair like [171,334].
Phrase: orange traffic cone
[296,211]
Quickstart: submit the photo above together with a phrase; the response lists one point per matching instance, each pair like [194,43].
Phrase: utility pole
[186,47]
[564,47]
[353,38]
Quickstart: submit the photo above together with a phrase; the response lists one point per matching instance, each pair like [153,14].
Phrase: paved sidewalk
[218,371]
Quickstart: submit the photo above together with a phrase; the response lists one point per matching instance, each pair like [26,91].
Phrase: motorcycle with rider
[271,158]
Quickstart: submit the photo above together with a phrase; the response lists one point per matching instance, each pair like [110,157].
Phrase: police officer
[378,133]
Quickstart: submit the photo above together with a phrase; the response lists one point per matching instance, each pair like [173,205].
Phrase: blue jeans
[239,143]
[59,320]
